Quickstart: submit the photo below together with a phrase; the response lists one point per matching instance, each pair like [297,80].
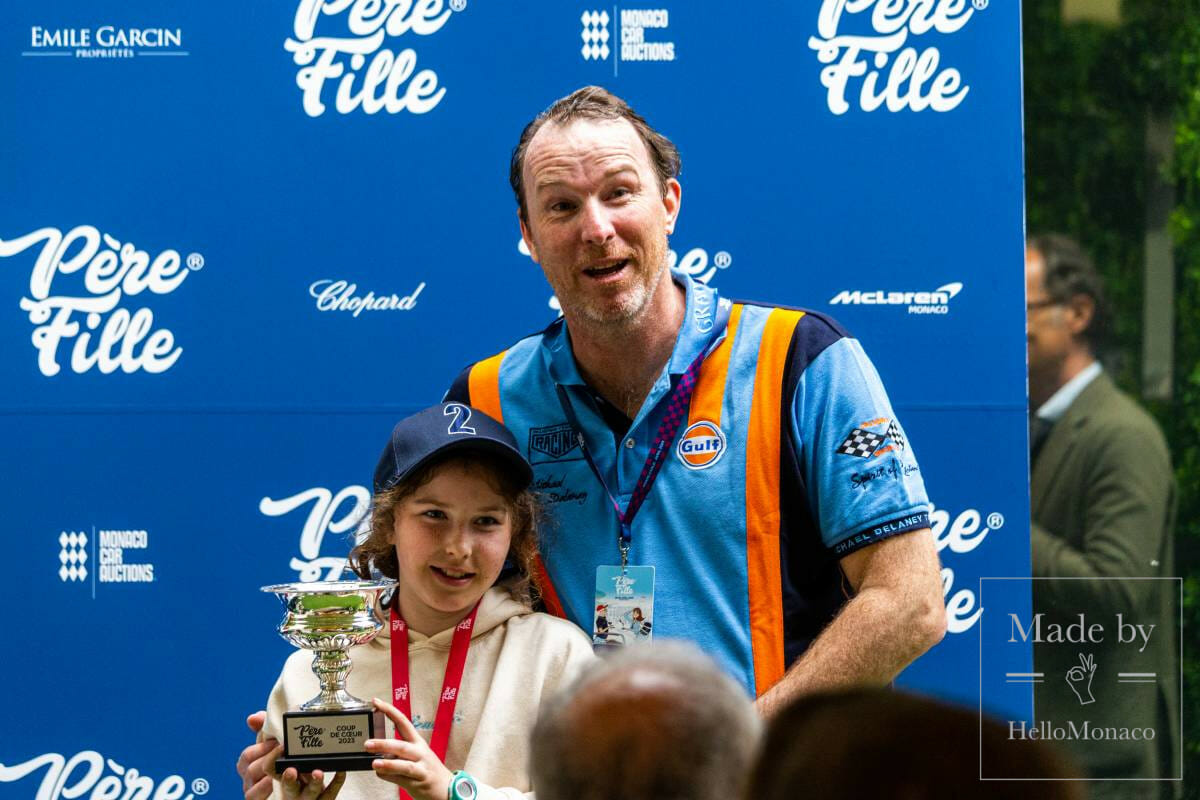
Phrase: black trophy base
[306,764]
[331,741]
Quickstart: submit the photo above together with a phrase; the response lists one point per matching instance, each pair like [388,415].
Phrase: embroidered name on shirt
[902,525]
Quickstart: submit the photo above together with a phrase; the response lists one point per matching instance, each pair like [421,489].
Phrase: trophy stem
[331,668]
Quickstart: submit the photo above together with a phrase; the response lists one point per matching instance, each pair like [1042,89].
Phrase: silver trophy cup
[330,617]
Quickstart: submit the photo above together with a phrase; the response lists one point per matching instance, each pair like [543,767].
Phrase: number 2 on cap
[462,415]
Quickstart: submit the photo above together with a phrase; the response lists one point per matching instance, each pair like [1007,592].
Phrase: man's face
[598,220]
[1048,336]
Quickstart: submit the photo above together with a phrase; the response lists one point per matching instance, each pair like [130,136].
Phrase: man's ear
[1079,313]
[671,200]
[528,239]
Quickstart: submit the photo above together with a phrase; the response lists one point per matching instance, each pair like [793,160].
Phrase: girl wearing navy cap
[452,507]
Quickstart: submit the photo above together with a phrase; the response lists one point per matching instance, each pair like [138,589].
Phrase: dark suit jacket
[1103,505]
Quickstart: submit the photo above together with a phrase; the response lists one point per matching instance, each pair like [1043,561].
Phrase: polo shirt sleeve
[862,480]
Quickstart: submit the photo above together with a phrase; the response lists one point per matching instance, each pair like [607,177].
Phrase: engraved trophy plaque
[330,617]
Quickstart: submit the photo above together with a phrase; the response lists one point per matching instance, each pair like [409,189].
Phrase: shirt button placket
[630,469]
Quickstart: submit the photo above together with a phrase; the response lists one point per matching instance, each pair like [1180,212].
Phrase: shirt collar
[1054,408]
[695,334]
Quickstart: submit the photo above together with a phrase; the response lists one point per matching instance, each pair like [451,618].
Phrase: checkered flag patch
[860,443]
[896,435]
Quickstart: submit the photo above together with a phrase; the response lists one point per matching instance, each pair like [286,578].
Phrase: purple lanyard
[677,409]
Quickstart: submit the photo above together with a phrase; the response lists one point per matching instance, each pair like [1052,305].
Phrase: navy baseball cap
[440,430]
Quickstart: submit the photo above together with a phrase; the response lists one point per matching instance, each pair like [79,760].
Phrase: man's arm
[896,614]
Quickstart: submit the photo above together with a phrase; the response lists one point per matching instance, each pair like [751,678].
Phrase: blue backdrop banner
[238,241]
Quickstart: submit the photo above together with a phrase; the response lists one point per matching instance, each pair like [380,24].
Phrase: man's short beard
[631,308]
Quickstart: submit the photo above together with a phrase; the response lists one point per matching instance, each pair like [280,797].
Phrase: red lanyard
[454,672]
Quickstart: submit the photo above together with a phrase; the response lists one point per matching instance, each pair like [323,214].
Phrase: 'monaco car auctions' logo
[86,325]
[89,557]
[643,35]
[342,42]
[701,445]
[866,45]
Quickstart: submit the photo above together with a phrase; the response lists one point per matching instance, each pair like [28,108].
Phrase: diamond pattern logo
[595,35]
[72,555]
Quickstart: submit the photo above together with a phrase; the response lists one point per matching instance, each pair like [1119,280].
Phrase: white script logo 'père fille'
[89,774]
[89,320]
[333,40]
[329,513]
[871,53]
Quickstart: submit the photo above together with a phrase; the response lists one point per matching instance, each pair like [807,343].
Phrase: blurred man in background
[1103,502]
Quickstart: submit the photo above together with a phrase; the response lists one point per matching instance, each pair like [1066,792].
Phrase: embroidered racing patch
[861,443]
[553,443]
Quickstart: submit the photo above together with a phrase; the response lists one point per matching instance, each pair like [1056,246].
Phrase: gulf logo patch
[701,445]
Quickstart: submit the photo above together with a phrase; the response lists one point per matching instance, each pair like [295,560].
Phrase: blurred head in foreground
[872,744]
[647,723]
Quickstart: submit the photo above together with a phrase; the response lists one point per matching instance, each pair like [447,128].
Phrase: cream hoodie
[517,658]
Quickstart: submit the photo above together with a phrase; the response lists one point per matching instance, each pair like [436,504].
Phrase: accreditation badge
[624,606]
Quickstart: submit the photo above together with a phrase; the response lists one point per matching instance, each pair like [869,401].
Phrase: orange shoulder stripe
[709,394]
[483,385]
[762,501]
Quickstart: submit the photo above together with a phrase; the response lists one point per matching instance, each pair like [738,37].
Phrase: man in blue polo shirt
[738,464]
[748,454]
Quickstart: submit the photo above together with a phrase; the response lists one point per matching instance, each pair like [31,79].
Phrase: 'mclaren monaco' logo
[701,445]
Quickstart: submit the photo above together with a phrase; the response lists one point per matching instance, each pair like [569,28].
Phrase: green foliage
[1089,90]
[1185,419]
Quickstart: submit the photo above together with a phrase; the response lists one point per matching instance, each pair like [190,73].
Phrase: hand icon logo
[1080,679]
